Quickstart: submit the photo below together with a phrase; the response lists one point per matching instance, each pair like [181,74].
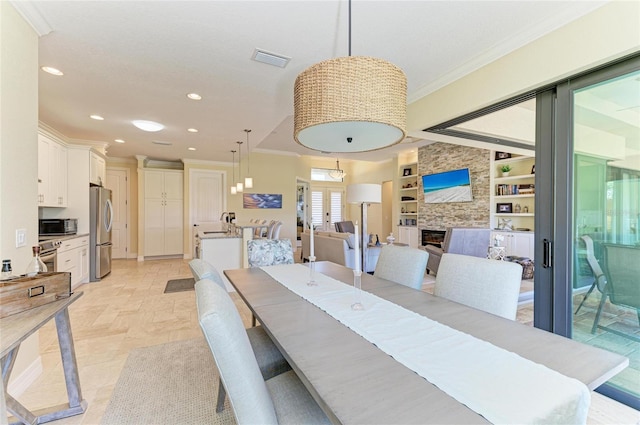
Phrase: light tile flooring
[128,309]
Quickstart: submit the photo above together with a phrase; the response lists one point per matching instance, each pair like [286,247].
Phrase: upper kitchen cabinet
[52,173]
[97,169]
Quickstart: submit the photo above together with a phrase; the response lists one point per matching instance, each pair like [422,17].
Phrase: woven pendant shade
[350,104]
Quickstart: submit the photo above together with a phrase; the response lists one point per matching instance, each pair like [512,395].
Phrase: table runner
[500,385]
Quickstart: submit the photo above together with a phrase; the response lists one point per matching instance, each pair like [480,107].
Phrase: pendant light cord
[248,130]
[233,166]
[349,27]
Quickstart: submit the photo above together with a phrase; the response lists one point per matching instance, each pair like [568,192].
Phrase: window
[322,175]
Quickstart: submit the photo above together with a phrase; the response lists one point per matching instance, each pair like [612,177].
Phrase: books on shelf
[515,189]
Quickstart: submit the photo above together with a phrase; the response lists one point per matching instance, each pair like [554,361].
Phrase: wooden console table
[18,327]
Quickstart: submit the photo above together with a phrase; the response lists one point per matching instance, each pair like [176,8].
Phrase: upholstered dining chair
[282,399]
[275,232]
[402,264]
[270,360]
[489,285]
[269,252]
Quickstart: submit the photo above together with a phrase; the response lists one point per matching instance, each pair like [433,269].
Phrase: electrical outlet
[21,237]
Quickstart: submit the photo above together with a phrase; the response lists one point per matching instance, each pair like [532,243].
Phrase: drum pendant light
[248,181]
[350,104]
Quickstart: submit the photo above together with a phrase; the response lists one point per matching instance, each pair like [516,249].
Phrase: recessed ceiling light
[119,141]
[148,125]
[52,71]
[194,96]
[96,117]
[192,149]
[192,130]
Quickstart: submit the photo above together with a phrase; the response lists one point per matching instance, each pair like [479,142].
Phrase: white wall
[608,33]
[18,151]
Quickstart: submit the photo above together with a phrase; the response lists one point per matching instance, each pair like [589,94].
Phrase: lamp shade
[364,193]
[350,104]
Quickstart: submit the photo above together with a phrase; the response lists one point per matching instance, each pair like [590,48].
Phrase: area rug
[179,285]
[173,383]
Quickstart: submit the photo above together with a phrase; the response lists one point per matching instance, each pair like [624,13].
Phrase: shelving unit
[513,204]
[409,186]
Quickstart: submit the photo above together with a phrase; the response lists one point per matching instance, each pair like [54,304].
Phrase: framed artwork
[406,172]
[504,208]
[253,201]
[503,155]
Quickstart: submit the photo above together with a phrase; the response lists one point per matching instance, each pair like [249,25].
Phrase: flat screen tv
[449,186]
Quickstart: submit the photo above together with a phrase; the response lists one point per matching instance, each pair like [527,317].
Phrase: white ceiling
[127,60]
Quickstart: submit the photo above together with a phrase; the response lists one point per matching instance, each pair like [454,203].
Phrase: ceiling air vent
[160,142]
[270,58]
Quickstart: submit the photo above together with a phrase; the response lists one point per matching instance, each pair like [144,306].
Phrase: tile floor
[128,309]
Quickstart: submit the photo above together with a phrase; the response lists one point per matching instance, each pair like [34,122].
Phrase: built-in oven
[49,253]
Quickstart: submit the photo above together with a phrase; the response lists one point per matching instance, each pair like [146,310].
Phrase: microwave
[57,226]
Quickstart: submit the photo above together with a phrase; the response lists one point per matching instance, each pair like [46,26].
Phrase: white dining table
[355,382]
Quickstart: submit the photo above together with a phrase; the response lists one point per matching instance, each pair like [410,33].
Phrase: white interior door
[117,181]
[207,198]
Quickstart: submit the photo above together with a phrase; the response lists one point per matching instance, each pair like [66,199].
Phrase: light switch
[21,237]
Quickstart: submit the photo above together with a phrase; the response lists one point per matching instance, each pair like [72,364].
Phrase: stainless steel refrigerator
[100,222]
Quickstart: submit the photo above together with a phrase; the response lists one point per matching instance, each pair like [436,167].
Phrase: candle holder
[357,291]
[312,271]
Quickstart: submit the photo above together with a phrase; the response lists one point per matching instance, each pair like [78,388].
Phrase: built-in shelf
[515,196]
[514,214]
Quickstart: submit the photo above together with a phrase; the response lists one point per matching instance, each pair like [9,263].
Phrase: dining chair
[402,264]
[622,264]
[282,399]
[270,360]
[345,227]
[275,234]
[269,252]
[599,278]
[489,285]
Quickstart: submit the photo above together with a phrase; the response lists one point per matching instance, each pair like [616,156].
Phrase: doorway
[118,181]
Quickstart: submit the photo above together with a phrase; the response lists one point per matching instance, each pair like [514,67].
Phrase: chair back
[275,234]
[471,241]
[202,269]
[269,252]
[402,264]
[598,274]
[345,227]
[489,285]
[623,271]
[227,338]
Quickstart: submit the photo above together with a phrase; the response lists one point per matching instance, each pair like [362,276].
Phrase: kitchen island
[226,247]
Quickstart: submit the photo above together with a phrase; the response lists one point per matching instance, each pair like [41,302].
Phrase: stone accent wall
[440,157]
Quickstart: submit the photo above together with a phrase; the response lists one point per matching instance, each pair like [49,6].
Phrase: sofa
[338,248]
[472,241]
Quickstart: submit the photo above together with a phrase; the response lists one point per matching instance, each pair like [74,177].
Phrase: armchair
[472,241]
[345,227]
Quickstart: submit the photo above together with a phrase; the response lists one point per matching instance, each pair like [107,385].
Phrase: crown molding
[30,12]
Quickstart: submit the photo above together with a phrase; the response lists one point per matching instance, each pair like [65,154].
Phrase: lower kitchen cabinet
[73,257]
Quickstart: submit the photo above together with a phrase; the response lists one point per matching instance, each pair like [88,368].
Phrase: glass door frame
[553,304]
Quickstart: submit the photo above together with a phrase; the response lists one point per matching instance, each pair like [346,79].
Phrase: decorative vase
[505,174]
[390,239]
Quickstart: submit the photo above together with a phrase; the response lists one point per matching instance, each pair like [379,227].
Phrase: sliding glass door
[588,151]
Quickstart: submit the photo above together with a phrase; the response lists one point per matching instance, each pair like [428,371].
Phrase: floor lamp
[364,194]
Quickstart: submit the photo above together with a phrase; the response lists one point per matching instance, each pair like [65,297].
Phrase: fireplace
[432,237]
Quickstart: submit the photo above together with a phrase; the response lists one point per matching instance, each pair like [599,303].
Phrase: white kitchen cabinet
[73,257]
[408,235]
[520,244]
[163,212]
[97,169]
[52,173]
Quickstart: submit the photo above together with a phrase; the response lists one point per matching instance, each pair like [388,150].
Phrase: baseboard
[23,381]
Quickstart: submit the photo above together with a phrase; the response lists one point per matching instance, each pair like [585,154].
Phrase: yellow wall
[608,33]
[18,151]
